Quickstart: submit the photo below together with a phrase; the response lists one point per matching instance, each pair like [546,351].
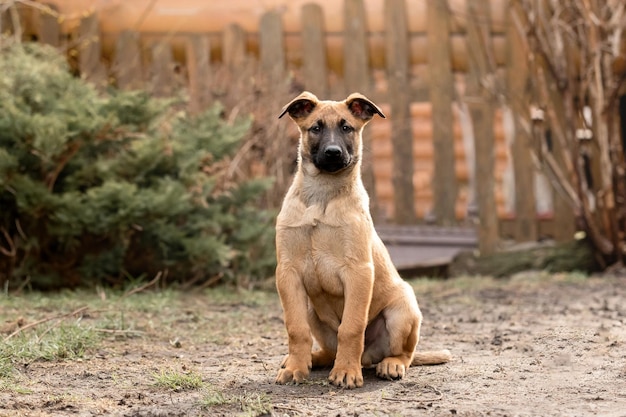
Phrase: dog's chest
[322,244]
[325,254]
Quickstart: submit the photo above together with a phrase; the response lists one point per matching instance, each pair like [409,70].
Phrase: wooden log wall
[420,162]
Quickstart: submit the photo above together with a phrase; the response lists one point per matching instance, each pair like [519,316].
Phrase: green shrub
[98,187]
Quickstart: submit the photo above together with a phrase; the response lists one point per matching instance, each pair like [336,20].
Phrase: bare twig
[11,252]
[45,320]
[284,407]
[23,285]
[424,402]
[30,3]
[142,17]
[537,29]
[18,226]
[420,401]
[145,286]
[577,43]
[51,178]
[559,130]
[114,331]
[560,182]
[213,280]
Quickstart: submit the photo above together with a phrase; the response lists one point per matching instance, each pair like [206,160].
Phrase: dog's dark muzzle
[331,158]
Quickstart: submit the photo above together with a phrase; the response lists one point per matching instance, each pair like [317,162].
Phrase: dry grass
[270,148]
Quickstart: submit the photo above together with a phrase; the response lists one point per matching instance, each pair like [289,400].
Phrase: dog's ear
[300,106]
[361,107]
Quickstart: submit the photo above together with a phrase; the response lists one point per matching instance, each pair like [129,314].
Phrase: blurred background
[505,118]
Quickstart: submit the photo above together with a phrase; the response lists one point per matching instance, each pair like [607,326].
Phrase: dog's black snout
[331,155]
[332,151]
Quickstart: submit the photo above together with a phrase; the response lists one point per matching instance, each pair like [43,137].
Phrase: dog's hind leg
[396,365]
[402,322]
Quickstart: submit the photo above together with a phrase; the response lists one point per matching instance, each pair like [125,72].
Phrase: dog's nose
[332,151]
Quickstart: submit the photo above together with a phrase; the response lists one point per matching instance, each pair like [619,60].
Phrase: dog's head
[330,131]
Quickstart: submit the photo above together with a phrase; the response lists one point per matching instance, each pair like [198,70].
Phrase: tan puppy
[335,278]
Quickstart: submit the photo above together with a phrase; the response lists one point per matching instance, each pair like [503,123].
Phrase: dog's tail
[433,357]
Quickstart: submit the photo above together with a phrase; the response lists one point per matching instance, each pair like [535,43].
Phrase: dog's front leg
[358,285]
[296,366]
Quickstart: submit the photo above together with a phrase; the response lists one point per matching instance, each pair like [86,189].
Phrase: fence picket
[526,228]
[358,79]
[441,96]
[90,51]
[271,44]
[127,65]
[481,106]
[314,50]
[397,62]
[163,76]
[47,26]
[397,57]
[198,65]
[233,46]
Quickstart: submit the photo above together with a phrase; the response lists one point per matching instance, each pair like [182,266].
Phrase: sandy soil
[531,345]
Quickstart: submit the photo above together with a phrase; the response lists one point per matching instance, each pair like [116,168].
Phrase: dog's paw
[287,376]
[391,368]
[346,377]
[293,371]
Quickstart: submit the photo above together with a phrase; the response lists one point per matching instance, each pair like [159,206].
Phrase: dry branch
[11,252]
[45,320]
[145,286]
[577,44]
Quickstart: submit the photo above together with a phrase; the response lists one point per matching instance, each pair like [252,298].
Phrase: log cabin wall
[434,66]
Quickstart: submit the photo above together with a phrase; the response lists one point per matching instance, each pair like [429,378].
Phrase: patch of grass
[177,381]
[111,315]
[213,397]
[147,302]
[250,404]
[10,385]
[433,288]
[229,296]
[56,342]
[254,404]
[574,277]
[67,341]
[6,366]
[8,379]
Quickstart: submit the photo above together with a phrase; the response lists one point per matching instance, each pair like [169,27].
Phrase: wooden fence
[452,144]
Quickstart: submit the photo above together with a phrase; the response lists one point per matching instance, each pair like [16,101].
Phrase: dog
[334,276]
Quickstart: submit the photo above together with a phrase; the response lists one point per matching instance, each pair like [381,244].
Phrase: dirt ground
[531,345]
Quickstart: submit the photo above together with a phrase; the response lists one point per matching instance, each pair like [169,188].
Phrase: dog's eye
[315,129]
[347,128]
